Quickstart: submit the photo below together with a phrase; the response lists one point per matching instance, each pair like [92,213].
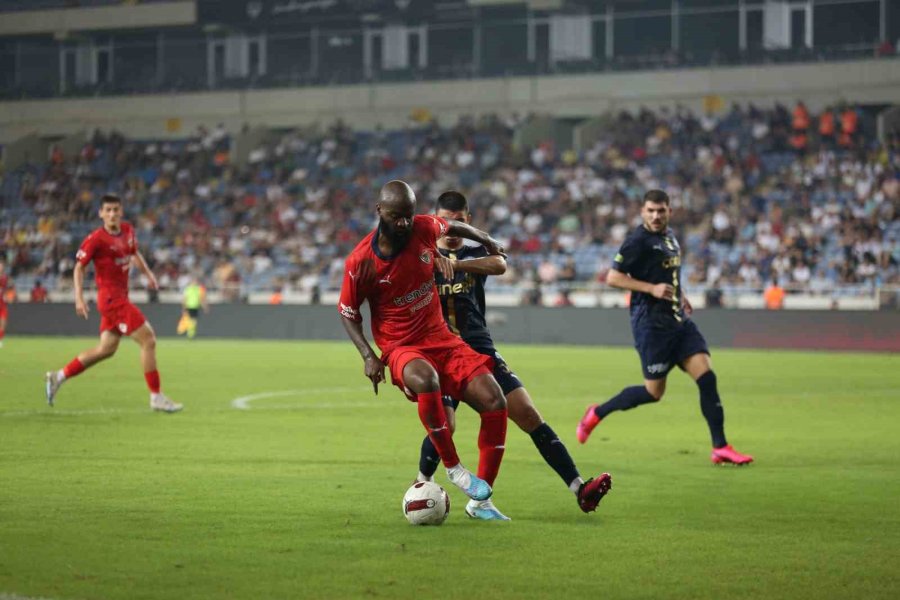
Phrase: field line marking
[68,412]
[243,402]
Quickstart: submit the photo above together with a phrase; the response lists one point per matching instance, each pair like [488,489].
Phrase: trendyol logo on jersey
[423,294]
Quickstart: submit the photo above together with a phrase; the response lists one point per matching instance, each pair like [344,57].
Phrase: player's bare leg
[422,383]
[631,397]
[109,343]
[146,339]
[524,413]
[699,367]
[483,393]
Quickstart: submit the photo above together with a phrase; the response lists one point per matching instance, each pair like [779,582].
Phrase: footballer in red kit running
[113,249]
[393,269]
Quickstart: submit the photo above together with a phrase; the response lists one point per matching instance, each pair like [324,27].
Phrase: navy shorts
[193,312]
[508,380]
[662,349]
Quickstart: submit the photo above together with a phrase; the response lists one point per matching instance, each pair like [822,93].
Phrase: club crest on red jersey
[425,257]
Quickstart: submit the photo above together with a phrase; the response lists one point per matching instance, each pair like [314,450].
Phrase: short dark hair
[452,200]
[656,197]
[110,199]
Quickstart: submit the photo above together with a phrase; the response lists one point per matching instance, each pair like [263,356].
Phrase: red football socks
[152,378]
[491,444]
[73,368]
[434,418]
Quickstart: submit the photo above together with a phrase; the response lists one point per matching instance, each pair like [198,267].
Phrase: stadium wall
[365,106]
[809,330]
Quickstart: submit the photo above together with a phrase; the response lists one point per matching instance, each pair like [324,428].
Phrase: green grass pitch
[299,495]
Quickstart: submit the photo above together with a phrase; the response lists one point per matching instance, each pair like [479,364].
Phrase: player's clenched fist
[663,291]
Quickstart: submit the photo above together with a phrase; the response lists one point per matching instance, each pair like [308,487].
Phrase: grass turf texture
[299,497]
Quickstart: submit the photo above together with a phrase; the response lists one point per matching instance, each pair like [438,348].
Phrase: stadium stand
[810,199]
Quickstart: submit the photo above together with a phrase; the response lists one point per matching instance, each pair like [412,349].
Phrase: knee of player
[150,343]
[423,383]
[496,401]
[106,351]
[656,393]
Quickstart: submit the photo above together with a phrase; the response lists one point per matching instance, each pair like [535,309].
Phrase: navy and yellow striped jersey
[654,258]
[462,300]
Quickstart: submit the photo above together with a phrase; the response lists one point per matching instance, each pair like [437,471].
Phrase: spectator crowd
[812,200]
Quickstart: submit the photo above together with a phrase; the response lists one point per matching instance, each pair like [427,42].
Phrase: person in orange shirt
[800,121]
[827,127]
[798,141]
[849,127]
[774,296]
[277,297]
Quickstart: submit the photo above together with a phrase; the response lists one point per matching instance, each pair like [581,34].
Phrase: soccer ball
[426,503]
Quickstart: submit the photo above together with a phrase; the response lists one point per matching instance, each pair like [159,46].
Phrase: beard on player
[398,236]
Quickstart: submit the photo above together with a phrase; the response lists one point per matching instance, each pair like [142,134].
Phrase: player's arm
[620,280]
[137,260]
[81,307]
[626,259]
[357,278]
[463,230]
[487,265]
[204,300]
[374,368]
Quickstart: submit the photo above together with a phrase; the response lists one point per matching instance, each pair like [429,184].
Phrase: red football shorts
[121,316]
[4,311]
[455,362]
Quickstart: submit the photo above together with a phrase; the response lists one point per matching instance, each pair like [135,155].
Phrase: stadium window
[708,31]
[845,24]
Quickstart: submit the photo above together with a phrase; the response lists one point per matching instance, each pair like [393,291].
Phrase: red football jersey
[403,299]
[112,260]
[4,281]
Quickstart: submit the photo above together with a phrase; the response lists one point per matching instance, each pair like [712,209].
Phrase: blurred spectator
[774,296]
[277,297]
[39,293]
[563,298]
[713,295]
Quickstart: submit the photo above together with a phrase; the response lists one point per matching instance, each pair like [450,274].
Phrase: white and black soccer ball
[426,503]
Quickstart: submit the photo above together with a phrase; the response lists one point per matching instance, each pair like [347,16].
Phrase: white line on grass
[240,403]
[243,402]
[65,412]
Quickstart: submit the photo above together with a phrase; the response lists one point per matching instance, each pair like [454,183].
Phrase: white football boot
[160,403]
[485,511]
